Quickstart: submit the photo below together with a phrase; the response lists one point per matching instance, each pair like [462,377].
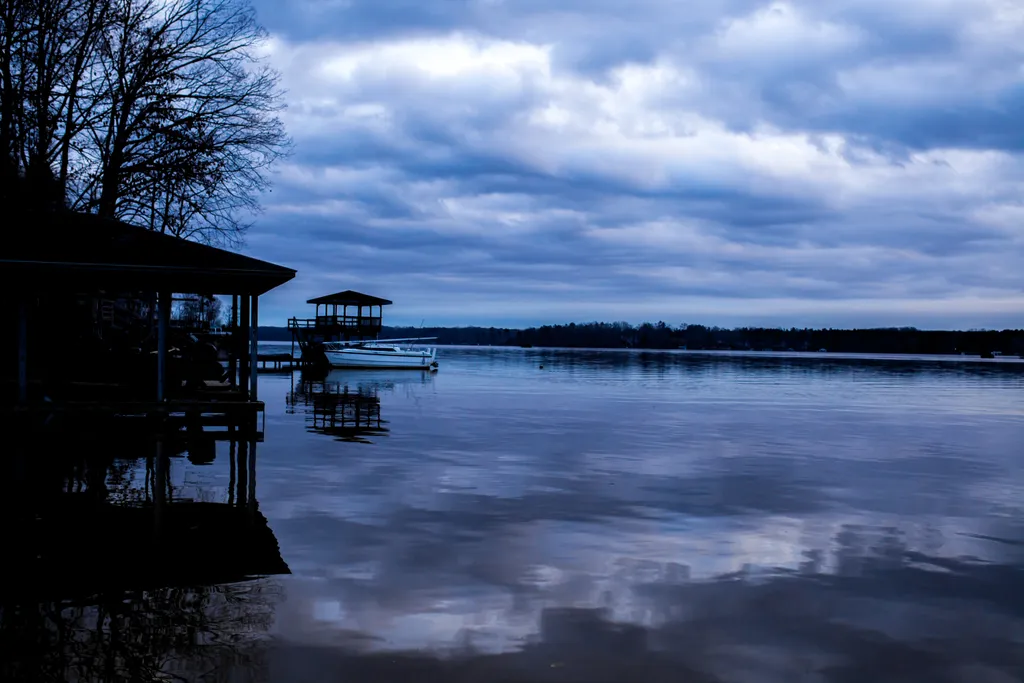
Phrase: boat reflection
[346,404]
[116,570]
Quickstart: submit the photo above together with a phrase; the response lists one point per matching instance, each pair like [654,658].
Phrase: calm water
[556,515]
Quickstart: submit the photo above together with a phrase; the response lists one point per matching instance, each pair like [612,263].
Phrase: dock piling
[243,342]
[253,348]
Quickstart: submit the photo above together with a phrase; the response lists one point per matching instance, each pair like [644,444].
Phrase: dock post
[242,347]
[163,320]
[22,351]
[254,347]
[233,356]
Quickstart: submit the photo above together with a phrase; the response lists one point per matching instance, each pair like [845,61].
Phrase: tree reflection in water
[208,633]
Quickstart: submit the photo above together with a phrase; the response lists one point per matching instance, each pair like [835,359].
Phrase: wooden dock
[277,361]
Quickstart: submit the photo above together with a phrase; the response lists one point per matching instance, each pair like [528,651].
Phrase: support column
[22,351]
[163,322]
[233,355]
[254,347]
[242,345]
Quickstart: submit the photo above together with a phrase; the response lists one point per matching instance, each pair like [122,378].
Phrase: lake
[602,515]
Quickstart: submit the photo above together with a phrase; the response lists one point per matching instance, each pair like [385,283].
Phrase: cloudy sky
[516,162]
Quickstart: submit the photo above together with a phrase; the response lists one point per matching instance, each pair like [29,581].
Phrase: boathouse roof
[69,249]
[350,298]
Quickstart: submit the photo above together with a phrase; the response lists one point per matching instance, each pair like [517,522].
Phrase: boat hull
[366,358]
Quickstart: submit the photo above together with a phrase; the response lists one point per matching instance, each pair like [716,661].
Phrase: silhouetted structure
[76,525]
[327,326]
[63,263]
[102,548]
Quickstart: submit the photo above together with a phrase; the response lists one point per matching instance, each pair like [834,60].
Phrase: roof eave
[236,280]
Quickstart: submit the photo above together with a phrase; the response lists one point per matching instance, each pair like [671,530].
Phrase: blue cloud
[501,162]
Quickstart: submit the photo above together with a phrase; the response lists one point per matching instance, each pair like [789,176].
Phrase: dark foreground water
[553,516]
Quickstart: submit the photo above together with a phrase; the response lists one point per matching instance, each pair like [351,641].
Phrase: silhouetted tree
[699,337]
[200,309]
[158,112]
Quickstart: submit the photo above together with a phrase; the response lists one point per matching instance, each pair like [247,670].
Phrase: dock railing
[335,321]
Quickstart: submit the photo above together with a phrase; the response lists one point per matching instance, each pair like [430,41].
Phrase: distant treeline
[698,337]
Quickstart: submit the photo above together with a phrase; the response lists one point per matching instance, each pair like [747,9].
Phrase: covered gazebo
[60,255]
[362,325]
[329,325]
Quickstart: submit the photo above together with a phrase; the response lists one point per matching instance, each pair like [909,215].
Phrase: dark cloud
[851,162]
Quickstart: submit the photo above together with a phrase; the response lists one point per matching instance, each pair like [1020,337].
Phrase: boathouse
[361,317]
[62,260]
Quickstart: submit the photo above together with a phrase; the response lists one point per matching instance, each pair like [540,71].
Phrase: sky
[726,162]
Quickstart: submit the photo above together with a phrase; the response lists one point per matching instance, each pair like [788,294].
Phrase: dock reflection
[345,404]
[113,572]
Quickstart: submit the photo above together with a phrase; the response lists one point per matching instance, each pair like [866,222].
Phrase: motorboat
[381,353]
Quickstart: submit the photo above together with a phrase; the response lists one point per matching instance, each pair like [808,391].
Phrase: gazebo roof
[68,250]
[350,298]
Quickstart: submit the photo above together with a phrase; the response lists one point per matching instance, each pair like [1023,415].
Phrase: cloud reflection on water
[736,511]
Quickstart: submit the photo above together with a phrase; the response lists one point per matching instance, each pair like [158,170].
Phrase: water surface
[583,515]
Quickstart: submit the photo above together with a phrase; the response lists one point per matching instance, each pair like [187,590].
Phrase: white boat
[381,353]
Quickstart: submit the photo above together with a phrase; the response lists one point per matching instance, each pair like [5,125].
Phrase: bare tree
[191,118]
[159,112]
[47,53]
[200,309]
